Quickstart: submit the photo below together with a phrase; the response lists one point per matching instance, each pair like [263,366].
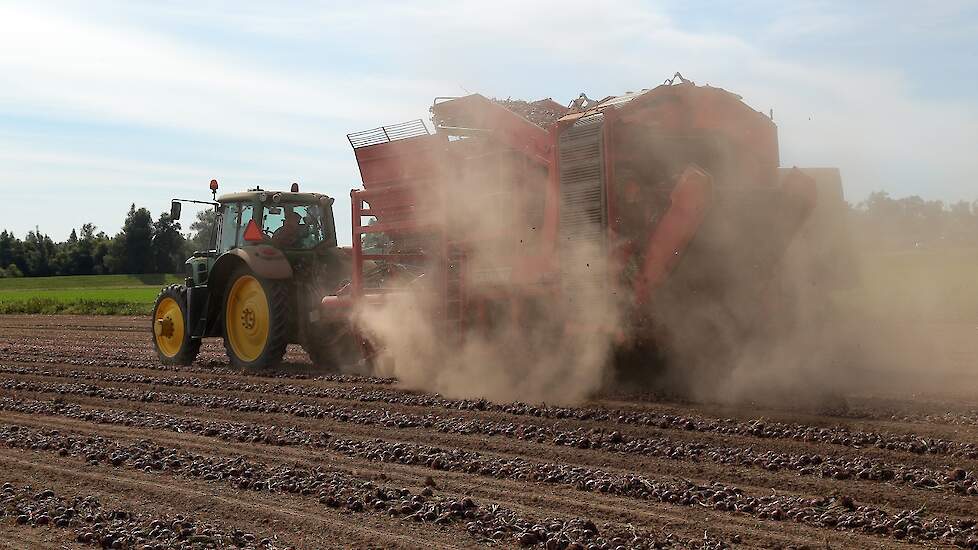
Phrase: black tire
[336,348]
[189,347]
[320,355]
[277,296]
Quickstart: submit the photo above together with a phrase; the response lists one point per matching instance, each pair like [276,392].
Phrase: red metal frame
[356,278]
[409,205]
[506,127]
[403,188]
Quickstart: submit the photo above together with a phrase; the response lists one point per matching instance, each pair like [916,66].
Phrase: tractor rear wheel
[171,339]
[256,320]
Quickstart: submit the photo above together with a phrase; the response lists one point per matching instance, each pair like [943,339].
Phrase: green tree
[11,271]
[882,222]
[39,254]
[168,244]
[9,248]
[202,231]
[962,224]
[101,257]
[82,257]
[131,250]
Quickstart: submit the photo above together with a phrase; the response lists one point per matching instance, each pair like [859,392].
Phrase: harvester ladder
[583,208]
[454,291]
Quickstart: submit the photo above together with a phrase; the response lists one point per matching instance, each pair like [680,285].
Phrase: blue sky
[107,103]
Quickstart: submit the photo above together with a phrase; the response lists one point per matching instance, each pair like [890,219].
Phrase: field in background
[929,285]
[87,294]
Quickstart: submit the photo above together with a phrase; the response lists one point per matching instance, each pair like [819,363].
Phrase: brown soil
[67,381]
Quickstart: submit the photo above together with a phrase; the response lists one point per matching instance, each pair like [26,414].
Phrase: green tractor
[273,258]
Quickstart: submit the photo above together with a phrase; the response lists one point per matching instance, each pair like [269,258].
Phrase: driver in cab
[291,231]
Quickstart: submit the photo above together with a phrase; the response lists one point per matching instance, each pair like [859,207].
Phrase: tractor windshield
[294,225]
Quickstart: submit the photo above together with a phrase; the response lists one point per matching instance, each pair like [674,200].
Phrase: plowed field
[101,446]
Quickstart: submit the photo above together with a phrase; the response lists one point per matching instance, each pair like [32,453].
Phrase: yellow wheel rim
[168,327]
[246,318]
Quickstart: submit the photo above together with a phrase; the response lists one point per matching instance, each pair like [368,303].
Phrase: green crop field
[916,285]
[84,294]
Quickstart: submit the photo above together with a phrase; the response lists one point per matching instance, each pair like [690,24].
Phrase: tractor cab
[273,256]
[288,221]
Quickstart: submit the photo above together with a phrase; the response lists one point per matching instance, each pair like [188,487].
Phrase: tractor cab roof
[275,197]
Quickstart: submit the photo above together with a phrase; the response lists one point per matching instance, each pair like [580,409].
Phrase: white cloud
[55,62]
[267,92]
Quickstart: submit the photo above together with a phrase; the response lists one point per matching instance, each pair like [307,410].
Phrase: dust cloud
[800,334]
[530,361]
[516,344]
[756,311]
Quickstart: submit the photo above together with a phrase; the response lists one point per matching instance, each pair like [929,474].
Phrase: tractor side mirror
[175,208]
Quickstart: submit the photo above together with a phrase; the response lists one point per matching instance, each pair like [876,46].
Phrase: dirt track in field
[100,445]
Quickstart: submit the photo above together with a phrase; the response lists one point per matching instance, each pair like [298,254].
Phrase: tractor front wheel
[256,319]
[171,339]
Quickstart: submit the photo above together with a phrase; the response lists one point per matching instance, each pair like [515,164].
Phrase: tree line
[143,245]
[884,223]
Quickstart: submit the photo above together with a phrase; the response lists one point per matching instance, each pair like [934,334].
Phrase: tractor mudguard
[197,311]
[263,260]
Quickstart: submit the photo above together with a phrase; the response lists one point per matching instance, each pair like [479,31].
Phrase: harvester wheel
[336,348]
[320,355]
[256,319]
[171,339]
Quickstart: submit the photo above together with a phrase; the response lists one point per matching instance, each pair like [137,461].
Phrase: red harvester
[662,198]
